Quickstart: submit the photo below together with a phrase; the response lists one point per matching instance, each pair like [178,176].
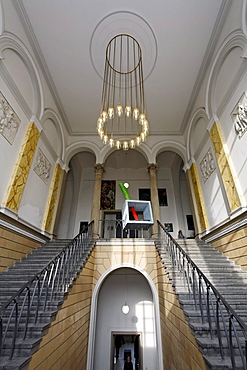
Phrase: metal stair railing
[114,229]
[214,309]
[44,288]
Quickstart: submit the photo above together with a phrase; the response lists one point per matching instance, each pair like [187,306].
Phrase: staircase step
[22,347]
[17,362]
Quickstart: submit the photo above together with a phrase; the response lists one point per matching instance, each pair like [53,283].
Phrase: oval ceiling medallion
[126,23]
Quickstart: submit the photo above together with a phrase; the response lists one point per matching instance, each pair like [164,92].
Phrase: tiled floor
[119,365]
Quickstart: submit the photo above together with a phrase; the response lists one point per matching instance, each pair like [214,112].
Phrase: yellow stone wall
[65,345]
[234,246]
[13,247]
[224,167]
[202,216]
[51,206]
[21,170]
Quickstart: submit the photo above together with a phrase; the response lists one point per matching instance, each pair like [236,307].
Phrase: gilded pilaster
[49,216]
[21,170]
[224,167]
[198,197]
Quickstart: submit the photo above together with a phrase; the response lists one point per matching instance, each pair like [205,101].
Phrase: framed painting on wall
[108,191]
[168,226]
[144,194]
[162,197]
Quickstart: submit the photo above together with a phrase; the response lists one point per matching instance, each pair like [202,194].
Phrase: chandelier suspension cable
[122,122]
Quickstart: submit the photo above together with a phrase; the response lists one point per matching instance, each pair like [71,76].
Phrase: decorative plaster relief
[42,166]
[9,121]
[239,116]
[207,165]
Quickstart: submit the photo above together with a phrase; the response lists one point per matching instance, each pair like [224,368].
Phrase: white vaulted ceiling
[176,36]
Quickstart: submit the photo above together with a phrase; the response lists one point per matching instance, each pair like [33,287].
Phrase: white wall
[120,286]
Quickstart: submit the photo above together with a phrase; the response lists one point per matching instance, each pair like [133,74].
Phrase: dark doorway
[123,345]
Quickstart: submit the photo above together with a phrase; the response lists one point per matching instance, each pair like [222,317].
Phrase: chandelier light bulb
[105,139]
[104,116]
[119,110]
[126,185]
[110,112]
[100,123]
[136,114]
[138,140]
[118,144]
[128,110]
[111,142]
[142,118]
[132,143]
[125,145]
[143,136]
[101,133]
[145,126]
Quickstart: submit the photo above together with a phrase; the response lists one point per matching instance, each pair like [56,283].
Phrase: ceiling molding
[223,12]
[18,4]
[15,91]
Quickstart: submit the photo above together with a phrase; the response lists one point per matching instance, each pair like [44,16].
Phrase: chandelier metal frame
[122,122]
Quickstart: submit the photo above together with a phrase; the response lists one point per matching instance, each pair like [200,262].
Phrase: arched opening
[76,195]
[124,285]
[175,205]
[120,167]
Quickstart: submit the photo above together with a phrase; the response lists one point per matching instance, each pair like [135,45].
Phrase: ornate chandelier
[122,122]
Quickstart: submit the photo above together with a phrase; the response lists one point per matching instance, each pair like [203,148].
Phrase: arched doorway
[122,285]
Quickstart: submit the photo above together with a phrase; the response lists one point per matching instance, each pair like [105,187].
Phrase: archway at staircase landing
[118,284]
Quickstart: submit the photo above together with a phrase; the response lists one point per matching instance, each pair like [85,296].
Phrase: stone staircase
[10,282]
[228,279]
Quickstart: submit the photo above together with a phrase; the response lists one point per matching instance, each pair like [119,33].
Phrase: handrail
[212,305]
[45,287]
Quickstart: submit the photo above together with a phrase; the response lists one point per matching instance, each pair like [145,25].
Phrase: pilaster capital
[99,169]
[152,168]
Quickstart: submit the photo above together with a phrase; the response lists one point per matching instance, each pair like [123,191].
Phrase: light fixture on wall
[122,122]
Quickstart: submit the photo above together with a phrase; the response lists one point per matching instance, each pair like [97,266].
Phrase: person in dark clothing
[118,343]
[128,364]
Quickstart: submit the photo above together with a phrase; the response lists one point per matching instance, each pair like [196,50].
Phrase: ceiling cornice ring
[128,23]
